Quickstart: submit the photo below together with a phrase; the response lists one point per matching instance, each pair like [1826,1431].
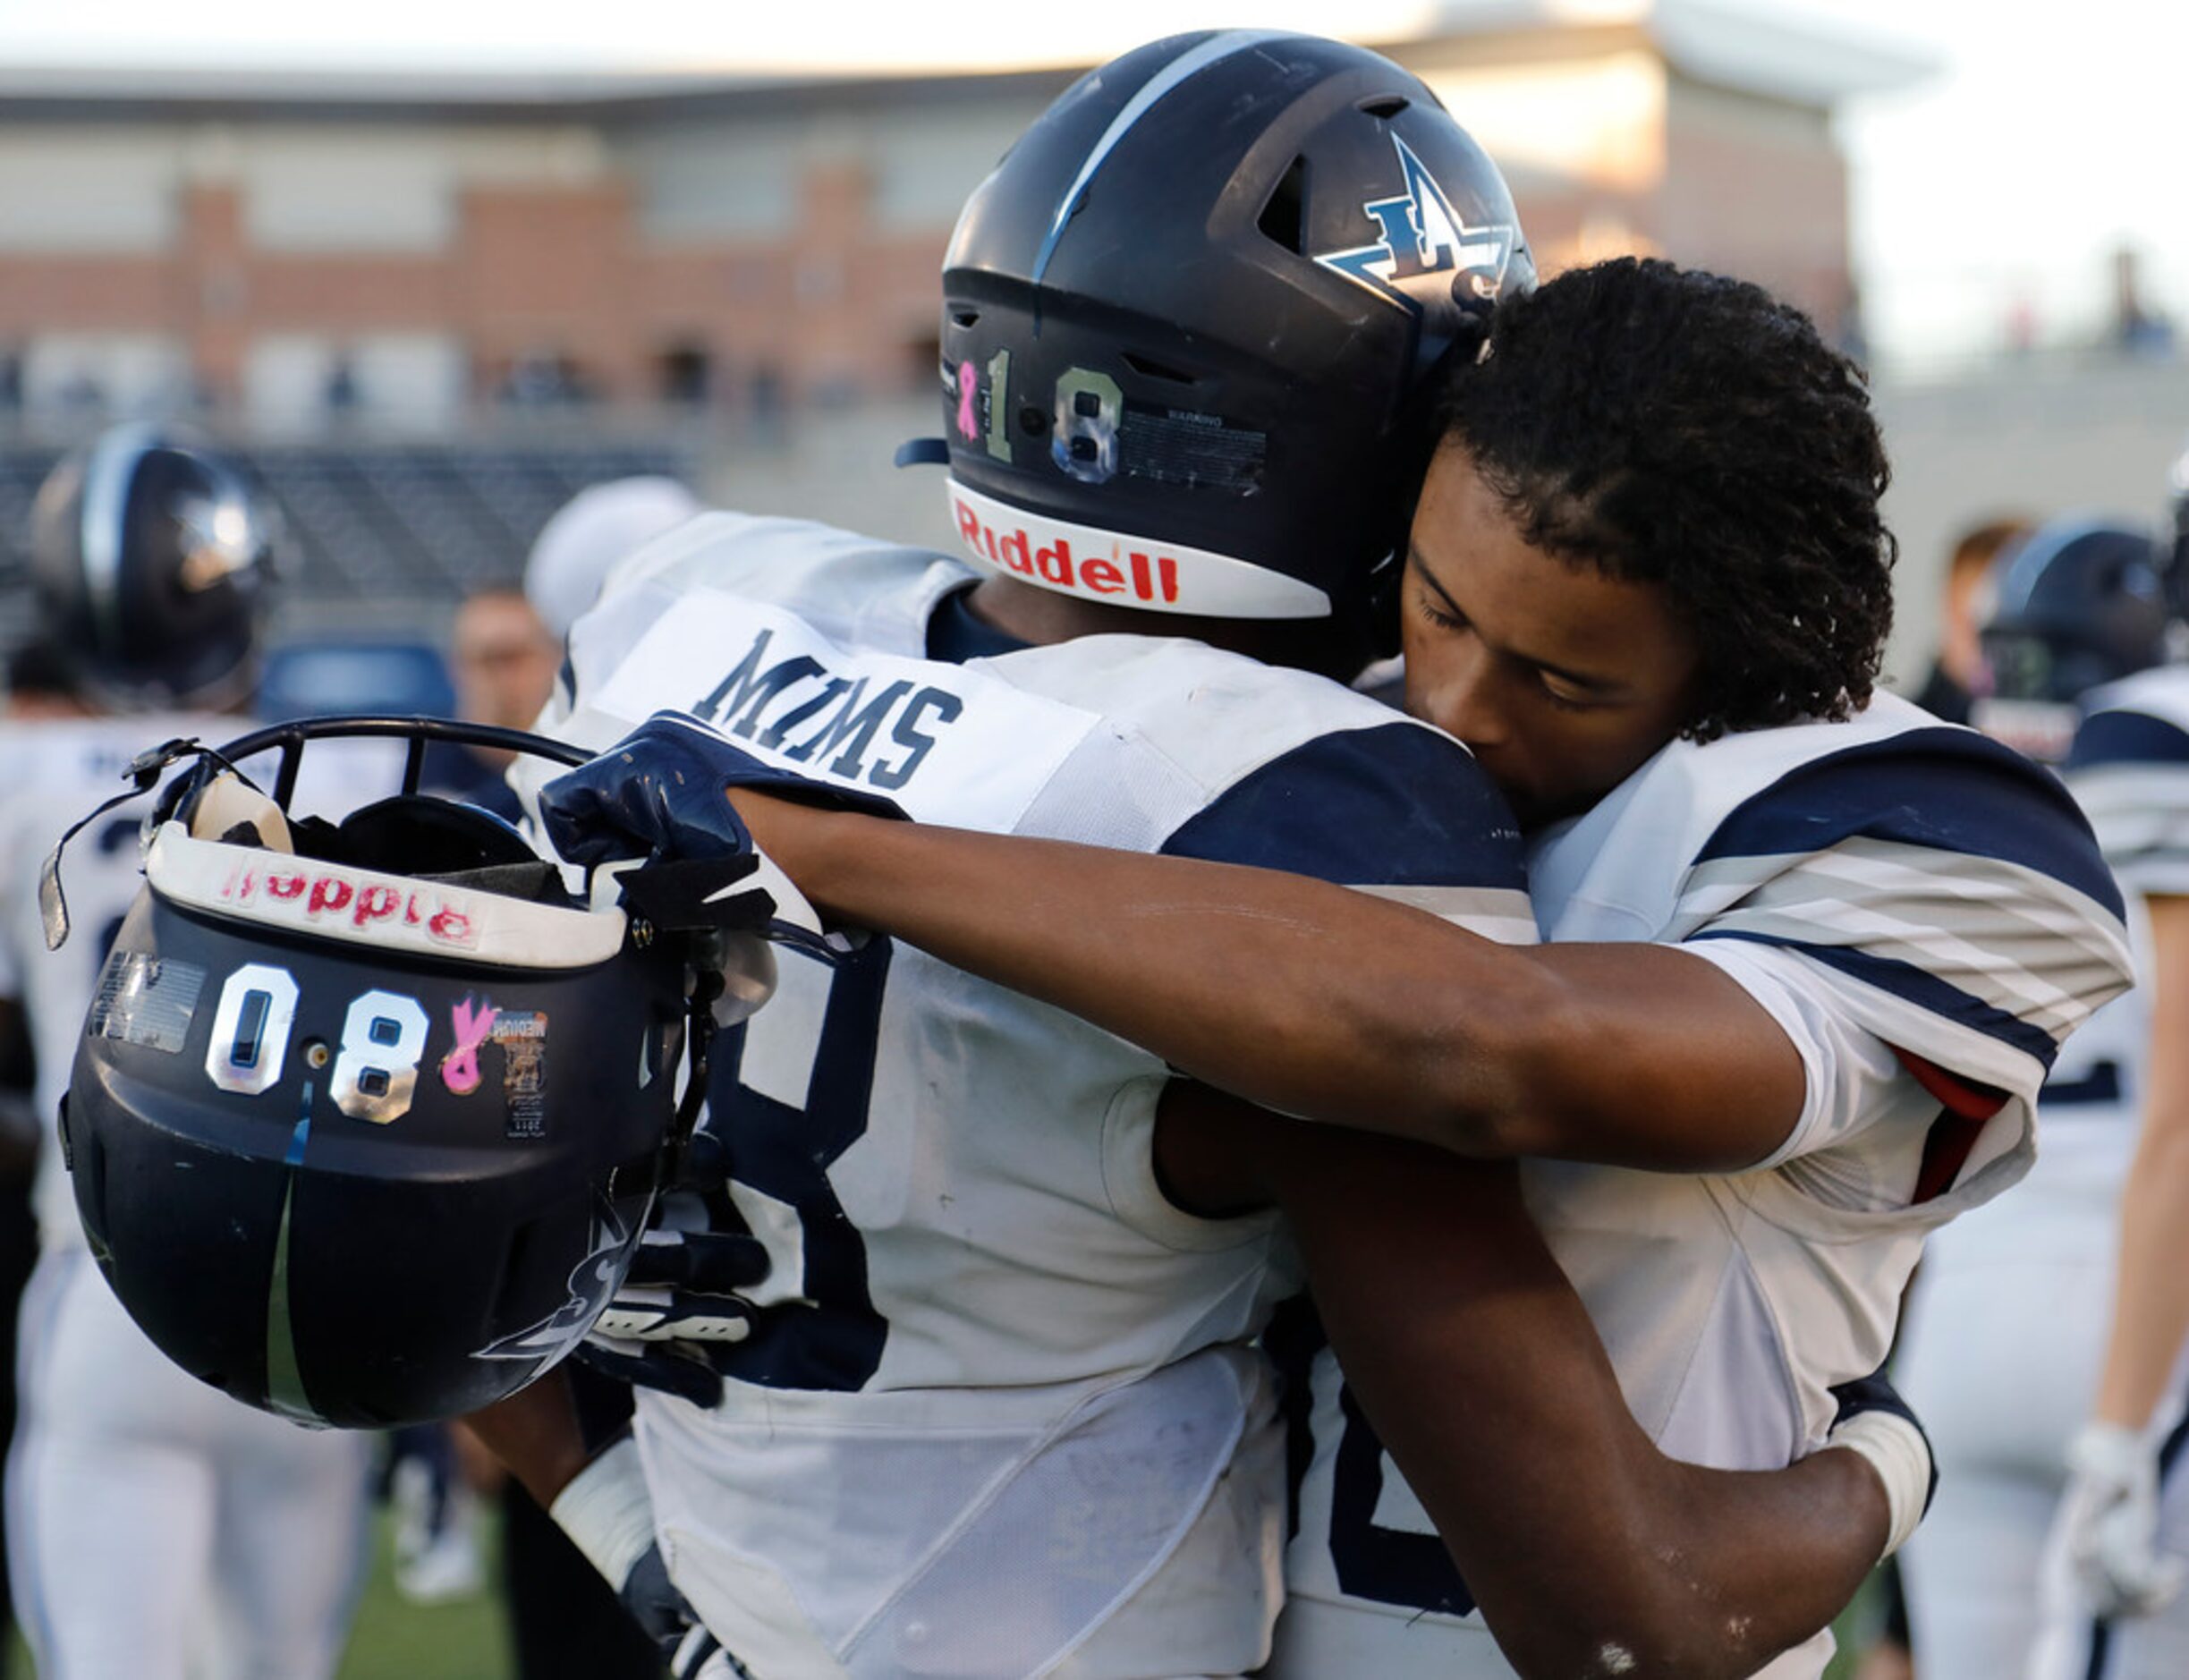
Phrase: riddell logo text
[315,897]
[1136,577]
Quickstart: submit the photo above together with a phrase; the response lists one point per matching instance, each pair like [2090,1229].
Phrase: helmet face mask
[362,1146]
[1182,316]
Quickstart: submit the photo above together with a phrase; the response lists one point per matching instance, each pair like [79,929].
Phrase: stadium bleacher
[396,525]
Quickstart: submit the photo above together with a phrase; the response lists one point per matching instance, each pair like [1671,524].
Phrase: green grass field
[393,1638]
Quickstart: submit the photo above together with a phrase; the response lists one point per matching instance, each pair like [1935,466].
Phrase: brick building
[295,251]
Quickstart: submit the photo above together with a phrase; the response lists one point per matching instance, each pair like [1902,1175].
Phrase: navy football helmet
[2080,602]
[1181,318]
[151,563]
[367,1119]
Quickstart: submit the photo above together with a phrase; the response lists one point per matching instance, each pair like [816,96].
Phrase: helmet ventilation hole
[1284,219]
[1385,105]
[965,318]
[1155,369]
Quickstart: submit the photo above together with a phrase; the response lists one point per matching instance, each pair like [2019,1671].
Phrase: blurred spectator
[543,380]
[2021,329]
[342,387]
[41,685]
[503,660]
[1945,692]
[590,533]
[2137,328]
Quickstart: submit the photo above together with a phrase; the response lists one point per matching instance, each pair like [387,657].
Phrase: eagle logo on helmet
[592,1283]
[1424,236]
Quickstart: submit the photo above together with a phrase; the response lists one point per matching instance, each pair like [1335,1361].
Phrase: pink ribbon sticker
[460,1067]
[968,387]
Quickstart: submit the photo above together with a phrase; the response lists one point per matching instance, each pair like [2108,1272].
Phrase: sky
[1998,186]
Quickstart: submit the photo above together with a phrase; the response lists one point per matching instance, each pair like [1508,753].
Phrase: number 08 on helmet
[366,1120]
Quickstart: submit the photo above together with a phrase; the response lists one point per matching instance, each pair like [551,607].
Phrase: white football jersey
[60,771]
[1928,917]
[1004,1405]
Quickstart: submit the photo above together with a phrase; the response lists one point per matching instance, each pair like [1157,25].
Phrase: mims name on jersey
[797,709]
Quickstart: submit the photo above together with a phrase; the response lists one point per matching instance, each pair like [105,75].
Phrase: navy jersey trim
[1387,1566]
[2102,1084]
[1912,984]
[2123,737]
[1943,788]
[1392,805]
[955,634]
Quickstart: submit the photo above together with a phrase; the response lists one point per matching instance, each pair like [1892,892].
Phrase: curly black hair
[1673,427]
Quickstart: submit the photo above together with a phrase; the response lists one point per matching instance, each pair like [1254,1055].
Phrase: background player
[1817,1055]
[2008,1299]
[2112,1601]
[154,1524]
[688,625]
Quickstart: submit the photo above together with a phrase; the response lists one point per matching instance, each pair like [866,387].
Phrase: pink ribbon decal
[460,1067]
[968,387]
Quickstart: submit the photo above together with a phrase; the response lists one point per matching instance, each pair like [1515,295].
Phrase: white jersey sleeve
[1936,889]
[1854,1081]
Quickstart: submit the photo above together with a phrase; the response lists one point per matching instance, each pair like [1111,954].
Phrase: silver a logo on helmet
[1423,238]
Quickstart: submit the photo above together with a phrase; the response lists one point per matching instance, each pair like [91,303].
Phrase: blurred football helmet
[367,1120]
[151,563]
[2079,603]
[1182,317]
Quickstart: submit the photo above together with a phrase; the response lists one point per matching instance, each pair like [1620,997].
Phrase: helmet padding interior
[435,839]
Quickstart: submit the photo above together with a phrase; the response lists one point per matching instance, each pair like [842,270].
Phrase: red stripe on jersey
[1969,1107]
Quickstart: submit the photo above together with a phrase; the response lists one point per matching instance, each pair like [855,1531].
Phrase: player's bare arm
[1249,979]
[1479,1367]
[2151,1301]
[2112,1523]
[535,1434]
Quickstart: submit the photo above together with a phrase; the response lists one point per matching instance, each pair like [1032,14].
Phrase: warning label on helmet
[1181,447]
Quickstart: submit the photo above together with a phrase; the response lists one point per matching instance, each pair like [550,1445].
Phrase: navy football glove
[661,794]
[680,1304]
